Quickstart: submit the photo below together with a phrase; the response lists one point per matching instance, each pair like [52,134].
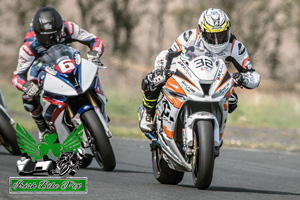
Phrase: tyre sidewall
[8,134]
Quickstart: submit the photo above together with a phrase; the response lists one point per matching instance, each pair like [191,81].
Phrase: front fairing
[199,76]
[67,74]
[71,84]
[201,83]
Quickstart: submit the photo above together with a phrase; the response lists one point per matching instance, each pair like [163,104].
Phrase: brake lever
[102,67]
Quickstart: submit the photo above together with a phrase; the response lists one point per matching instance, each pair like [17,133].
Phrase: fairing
[67,73]
[70,84]
[199,80]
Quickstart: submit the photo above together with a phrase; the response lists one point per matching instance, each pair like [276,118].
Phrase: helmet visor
[216,38]
[48,39]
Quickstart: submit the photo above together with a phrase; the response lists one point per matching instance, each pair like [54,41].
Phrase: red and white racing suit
[32,50]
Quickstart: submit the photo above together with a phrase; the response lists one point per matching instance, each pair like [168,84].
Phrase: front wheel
[203,159]
[8,136]
[104,154]
[161,170]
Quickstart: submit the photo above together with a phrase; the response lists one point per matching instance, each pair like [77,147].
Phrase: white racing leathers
[235,53]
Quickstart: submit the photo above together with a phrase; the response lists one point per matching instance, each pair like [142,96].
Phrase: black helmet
[47,25]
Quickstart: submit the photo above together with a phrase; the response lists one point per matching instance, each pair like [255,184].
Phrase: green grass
[123,105]
[266,111]
[254,111]
[13,98]
[127,132]
[122,108]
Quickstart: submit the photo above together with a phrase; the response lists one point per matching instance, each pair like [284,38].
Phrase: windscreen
[57,53]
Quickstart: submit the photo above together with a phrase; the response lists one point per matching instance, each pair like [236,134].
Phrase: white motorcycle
[73,94]
[190,119]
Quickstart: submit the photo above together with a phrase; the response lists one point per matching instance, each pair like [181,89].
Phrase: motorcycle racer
[213,35]
[46,29]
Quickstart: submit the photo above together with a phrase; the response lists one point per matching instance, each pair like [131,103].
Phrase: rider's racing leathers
[32,50]
[235,53]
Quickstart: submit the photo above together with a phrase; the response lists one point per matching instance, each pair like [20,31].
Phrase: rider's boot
[146,113]
[146,119]
[41,124]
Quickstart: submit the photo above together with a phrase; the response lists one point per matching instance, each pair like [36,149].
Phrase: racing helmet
[47,26]
[214,28]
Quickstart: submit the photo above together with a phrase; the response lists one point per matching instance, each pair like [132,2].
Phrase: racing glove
[30,88]
[94,57]
[158,76]
[155,79]
[239,80]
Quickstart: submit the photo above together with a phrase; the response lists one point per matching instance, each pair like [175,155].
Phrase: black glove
[94,57]
[155,79]
[30,88]
[158,76]
[238,79]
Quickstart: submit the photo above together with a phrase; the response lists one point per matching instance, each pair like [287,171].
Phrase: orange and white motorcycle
[190,118]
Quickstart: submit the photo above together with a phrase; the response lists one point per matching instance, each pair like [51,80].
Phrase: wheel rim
[94,148]
[97,155]
[157,159]
[195,160]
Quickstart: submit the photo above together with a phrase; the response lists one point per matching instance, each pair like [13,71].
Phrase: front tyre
[105,155]
[8,136]
[161,170]
[203,160]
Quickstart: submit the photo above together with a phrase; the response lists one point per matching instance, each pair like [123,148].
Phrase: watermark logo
[40,185]
[28,145]
[50,157]
[57,158]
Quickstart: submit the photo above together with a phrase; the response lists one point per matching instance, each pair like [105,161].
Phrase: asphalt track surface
[239,174]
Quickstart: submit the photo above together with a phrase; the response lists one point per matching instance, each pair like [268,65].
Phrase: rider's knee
[32,104]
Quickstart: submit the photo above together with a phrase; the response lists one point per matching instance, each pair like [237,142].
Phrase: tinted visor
[48,39]
[216,38]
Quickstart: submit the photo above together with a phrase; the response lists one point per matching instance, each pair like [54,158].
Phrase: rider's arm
[26,58]
[240,59]
[80,35]
[164,59]
[186,39]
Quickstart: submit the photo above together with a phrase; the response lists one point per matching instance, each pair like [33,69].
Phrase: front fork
[100,115]
[188,131]
[187,148]
[77,121]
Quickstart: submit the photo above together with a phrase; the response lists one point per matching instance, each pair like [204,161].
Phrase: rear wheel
[161,170]
[101,146]
[203,160]
[8,137]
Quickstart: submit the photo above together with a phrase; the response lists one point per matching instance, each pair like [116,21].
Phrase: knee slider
[31,104]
